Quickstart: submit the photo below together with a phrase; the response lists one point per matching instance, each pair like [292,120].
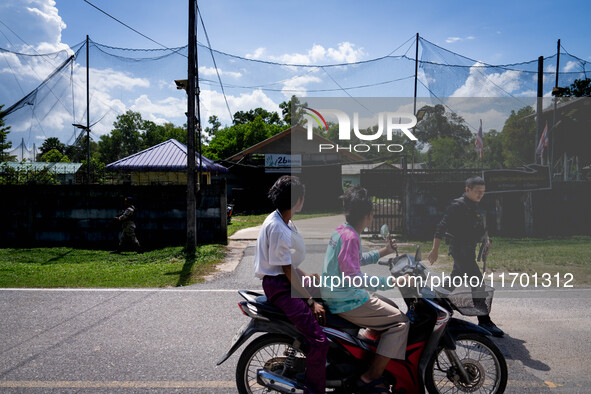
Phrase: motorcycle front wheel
[272,352]
[480,357]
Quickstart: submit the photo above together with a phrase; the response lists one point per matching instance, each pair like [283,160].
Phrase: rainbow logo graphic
[312,115]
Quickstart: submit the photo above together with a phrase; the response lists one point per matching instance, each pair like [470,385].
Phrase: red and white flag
[479,142]
[543,142]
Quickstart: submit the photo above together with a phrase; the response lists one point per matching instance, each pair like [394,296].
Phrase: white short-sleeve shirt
[278,244]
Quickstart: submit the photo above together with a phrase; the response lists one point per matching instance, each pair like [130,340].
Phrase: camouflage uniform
[128,229]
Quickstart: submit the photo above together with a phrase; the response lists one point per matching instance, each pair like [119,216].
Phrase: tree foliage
[52,143]
[228,141]
[271,118]
[4,143]
[579,88]
[292,111]
[519,133]
[437,123]
[55,156]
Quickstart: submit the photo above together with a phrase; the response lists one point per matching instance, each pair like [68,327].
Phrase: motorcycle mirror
[384,231]
[418,256]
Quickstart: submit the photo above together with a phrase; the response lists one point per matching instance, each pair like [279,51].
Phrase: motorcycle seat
[332,320]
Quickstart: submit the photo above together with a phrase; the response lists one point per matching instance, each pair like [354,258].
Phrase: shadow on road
[515,349]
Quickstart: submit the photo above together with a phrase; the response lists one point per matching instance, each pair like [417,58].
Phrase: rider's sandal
[372,387]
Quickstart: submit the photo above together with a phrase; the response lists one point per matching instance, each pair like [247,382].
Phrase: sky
[302,32]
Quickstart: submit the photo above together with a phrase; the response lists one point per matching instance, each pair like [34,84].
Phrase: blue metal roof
[169,155]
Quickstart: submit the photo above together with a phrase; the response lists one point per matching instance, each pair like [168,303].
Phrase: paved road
[168,340]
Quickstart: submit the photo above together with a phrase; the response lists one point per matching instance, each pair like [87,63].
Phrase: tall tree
[124,140]
[579,88]
[52,143]
[437,123]
[518,137]
[231,140]
[155,134]
[242,117]
[55,156]
[4,143]
[292,111]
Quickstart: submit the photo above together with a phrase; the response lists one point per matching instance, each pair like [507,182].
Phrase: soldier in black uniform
[464,226]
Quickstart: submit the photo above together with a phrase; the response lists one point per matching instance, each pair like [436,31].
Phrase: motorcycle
[443,354]
[229,212]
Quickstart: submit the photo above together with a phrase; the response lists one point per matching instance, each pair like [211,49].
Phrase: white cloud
[160,111]
[570,66]
[491,119]
[297,85]
[345,52]
[213,104]
[451,40]
[481,84]
[211,72]
[258,54]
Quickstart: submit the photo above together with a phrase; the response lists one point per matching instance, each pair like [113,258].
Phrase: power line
[217,71]
[129,27]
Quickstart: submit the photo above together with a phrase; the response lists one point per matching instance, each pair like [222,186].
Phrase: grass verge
[69,267]
[527,255]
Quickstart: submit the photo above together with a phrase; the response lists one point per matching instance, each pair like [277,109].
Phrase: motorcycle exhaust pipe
[278,382]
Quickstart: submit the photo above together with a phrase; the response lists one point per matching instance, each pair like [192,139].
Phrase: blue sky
[313,32]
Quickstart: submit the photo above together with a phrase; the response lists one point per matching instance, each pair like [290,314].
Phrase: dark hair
[356,204]
[474,181]
[286,191]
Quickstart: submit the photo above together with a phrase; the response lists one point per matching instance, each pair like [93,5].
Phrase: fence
[81,215]
[417,201]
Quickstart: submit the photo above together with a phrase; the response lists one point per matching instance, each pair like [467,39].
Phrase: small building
[64,173]
[254,170]
[165,164]
[351,173]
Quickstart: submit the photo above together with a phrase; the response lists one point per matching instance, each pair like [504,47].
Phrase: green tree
[77,152]
[292,111]
[437,123]
[579,88]
[155,134]
[270,118]
[52,143]
[55,156]
[125,139]
[4,143]
[492,156]
[230,140]
[518,137]
[446,152]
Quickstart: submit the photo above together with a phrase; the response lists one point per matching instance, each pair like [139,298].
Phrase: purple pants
[278,292]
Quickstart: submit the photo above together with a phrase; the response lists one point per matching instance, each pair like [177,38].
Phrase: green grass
[526,255]
[69,267]
[244,221]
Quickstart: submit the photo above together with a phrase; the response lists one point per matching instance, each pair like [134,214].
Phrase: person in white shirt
[280,250]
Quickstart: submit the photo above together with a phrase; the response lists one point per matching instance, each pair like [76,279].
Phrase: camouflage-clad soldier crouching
[128,238]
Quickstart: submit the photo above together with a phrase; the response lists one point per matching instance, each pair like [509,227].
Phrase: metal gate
[387,211]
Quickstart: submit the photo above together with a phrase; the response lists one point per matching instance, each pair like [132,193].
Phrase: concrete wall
[80,215]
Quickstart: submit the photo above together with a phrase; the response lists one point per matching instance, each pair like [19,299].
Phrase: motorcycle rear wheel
[269,351]
[481,358]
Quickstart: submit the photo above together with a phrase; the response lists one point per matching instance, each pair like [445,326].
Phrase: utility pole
[551,160]
[539,108]
[191,200]
[87,116]
[414,112]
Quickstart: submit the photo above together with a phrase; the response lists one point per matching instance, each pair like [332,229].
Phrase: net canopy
[44,94]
